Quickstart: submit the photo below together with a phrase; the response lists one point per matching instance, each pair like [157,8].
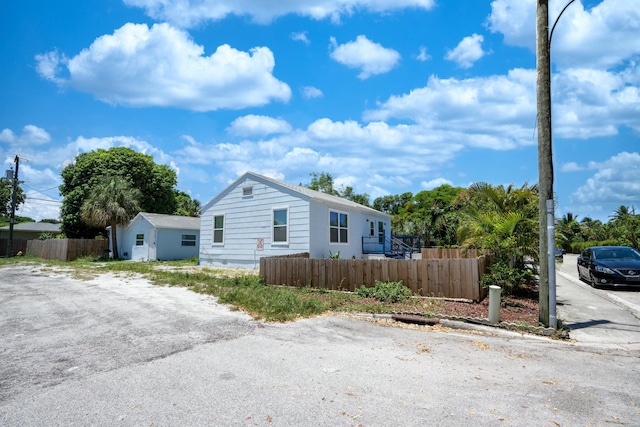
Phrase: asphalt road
[117,351]
[606,317]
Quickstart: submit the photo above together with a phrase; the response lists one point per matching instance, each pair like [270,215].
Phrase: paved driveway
[118,351]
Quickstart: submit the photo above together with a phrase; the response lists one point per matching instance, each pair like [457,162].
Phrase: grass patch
[243,290]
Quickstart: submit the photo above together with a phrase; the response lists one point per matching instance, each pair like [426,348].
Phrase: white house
[257,216]
[151,236]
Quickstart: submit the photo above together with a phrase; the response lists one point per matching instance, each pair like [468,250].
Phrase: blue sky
[387,96]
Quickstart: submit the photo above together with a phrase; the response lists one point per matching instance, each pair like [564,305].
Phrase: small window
[280,225]
[338,227]
[247,191]
[188,240]
[218,229]
[139,239]
[371,229]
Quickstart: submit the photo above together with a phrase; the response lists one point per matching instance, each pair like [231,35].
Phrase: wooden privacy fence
[450,278]
[67,249]
[432,253]
[16,246]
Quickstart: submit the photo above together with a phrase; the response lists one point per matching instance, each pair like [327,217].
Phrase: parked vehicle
[559,254]
[610,266]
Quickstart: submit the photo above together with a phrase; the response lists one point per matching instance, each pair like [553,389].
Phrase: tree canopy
[6,193]
[323,182]
[155,182]
[186,206]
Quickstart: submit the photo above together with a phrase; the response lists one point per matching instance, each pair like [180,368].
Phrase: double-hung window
[188,240]
[281,225]
[218,229]
[338,227]
[139,239]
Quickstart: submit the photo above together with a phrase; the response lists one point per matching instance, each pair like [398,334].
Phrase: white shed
[257,216]
[152,236]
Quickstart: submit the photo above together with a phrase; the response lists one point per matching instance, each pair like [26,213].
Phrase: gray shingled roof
[172,221]
[40,227]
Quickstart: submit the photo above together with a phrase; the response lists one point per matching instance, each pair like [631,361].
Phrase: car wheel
[592,281]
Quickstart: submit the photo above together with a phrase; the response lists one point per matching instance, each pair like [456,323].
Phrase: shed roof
[176,222]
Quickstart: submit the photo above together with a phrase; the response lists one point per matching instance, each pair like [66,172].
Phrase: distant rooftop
[41,227]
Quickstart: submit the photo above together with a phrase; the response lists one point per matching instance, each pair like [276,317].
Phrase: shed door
[152,245]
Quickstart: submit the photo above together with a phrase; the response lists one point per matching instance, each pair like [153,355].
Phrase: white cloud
[571,167]
[494,112]
[423,55]
[371,58]
[31,135]
[301,37]
[188,13]
[161,66]
[434,183]
[48,65]
[603,36]
[310,92]
[468,51]
[617,180]
[339,148]
[252,125]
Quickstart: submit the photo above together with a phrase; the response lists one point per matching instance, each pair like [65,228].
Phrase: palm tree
[111,202]
[501,219]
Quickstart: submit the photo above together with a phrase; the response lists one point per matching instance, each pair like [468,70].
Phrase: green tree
[111,202]
[625,226]
[186,206]
[568,230]
[430,214]
[323,182]
[392,205]
[503,220]
[155,182]
[6,194]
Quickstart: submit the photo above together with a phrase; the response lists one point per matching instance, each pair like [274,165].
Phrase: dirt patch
[519,308]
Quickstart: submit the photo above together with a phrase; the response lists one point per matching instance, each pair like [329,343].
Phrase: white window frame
[189,240]
[139,240]
[339,227]
[247,191]
[273,225]
[214,229]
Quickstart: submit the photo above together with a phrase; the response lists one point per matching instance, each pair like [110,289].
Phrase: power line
[42,200]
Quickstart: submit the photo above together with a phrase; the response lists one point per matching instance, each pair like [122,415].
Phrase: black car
[610,266]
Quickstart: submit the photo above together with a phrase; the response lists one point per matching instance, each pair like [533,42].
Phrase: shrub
[386,292]
[508,278]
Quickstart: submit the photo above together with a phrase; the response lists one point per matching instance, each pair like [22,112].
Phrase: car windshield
[617,253]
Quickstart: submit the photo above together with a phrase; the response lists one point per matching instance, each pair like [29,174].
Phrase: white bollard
[494,304]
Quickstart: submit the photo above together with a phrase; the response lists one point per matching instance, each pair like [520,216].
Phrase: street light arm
[557,19]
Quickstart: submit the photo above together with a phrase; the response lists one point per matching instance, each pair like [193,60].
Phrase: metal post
[14,199]
[551,243]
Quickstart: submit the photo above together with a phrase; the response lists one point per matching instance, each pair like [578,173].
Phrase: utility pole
[14,199]
[545,157]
